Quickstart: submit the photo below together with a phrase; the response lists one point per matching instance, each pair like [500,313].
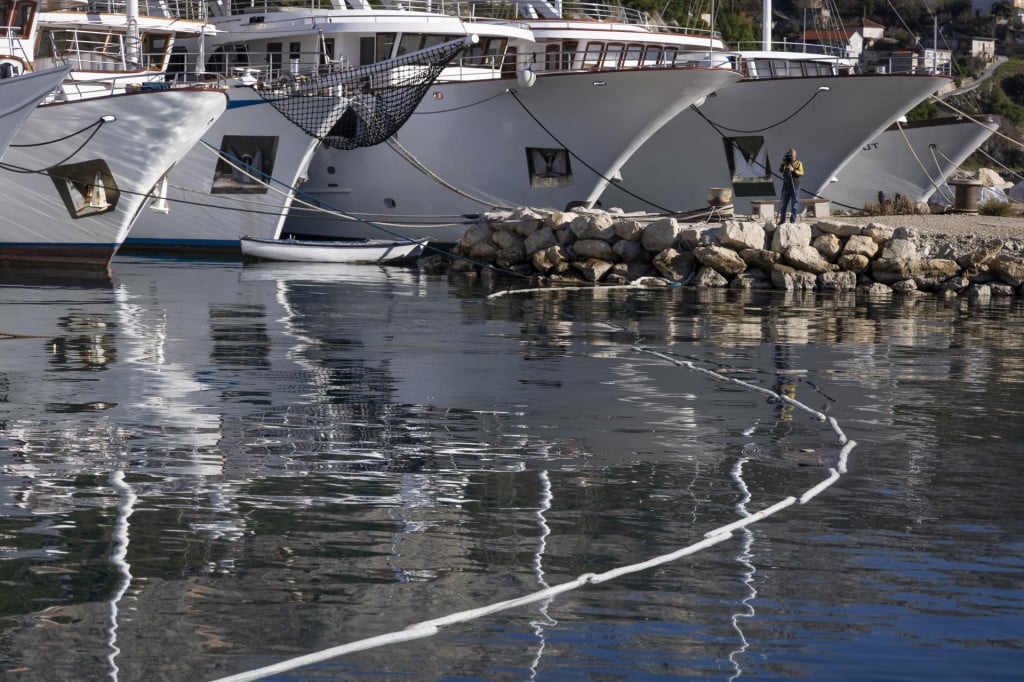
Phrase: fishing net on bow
[364,105]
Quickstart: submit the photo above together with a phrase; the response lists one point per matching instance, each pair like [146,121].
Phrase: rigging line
[803,106]
[95,124]
[431,627]
[580,159]
[903,133]
[43,171]
[302,197]
[411,159]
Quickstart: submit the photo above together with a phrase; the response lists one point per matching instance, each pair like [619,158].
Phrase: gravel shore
[956,227]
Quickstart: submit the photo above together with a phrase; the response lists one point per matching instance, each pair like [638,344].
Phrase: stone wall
[559,247]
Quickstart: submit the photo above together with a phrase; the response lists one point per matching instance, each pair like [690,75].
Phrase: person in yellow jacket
[792,170]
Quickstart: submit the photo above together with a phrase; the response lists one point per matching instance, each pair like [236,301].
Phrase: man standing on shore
[792,170]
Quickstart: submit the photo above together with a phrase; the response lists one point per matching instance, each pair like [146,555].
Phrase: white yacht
[513,123]
[911,159]
[79,171]
[80,168]
[20,93]
[791,96]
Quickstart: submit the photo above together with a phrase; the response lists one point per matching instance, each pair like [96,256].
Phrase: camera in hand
[788,158]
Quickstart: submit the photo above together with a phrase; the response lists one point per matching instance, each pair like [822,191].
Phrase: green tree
[737,28]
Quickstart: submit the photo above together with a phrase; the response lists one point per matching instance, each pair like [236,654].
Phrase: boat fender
[526,78]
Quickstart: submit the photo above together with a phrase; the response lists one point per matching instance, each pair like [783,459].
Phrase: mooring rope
[719,128]
[924,170]
[711,538]
[95,126]
[411,159]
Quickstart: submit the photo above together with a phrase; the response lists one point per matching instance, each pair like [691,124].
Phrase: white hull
[674,170]
[473,137]
[378,251]
[910,160]
[19,96]
[47,219]
[209,210]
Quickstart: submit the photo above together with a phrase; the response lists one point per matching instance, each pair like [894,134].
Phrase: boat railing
[268,68]
[816,49]
[909,65]
[176,9]
[90,50]
[13,45]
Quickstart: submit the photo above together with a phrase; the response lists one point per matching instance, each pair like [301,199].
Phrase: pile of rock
[605,247]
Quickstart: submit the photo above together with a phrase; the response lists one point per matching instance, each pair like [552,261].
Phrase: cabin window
[553,57]
[613,55]
[634,55]
[154,47]
[327,53]
[24,12]
[177,64]
[385,45]
[652,56]
[592,57]
[508,64]
[227,57]
[487,52]
[762,68]
[670,55]
[569,48]
[274,58]
[410,42]
[477,55]
[496,51]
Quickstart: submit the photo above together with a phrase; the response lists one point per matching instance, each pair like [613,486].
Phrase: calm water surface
[207,467]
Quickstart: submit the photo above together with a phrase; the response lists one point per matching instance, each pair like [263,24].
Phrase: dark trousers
[789,199]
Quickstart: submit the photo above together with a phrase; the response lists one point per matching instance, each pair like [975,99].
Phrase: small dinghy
[378,251]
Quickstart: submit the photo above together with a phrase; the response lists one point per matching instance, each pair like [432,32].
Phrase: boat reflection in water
[208,466]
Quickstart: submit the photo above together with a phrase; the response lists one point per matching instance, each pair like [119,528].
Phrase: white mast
[766,25]
[131,47]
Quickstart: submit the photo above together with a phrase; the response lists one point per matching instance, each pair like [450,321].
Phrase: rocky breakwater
[559,247]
